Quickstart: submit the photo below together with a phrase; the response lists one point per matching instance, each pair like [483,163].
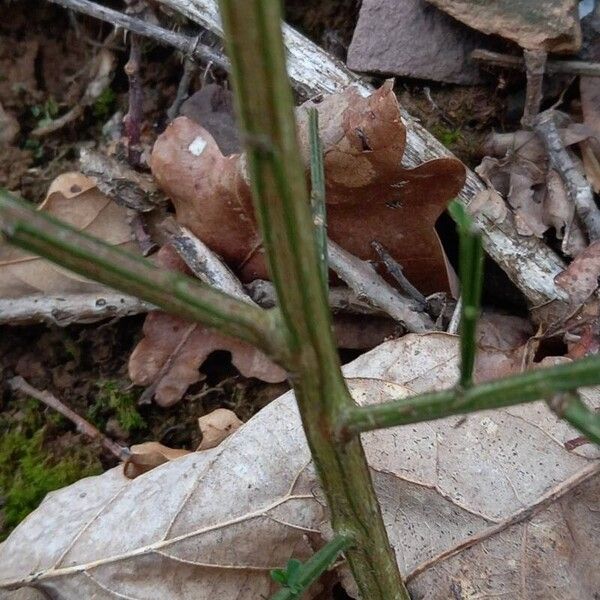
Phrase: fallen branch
[205,264]
[395,270]
[341,299]
[577,185]
[83,426]
[528,262]
[189,46]
[120,182]
[369,286]
[73,308]
[569,67]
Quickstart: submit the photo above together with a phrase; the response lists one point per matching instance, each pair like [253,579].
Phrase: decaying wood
[68,309]
[579,188]
[120,182]
[529,263]
[189,46]
[368,285]
[205,264]
[83,426]
[341,299]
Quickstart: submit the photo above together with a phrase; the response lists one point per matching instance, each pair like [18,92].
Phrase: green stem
[471,282]
[265,108]
[527,387]
[24,226]
[317,193]
[571,408]
[314,567]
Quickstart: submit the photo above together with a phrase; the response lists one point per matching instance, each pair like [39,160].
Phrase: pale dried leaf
[74,199]
[217,426]
[148,455]
[486,504]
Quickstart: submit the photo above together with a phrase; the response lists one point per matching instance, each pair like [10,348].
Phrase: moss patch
[30,468]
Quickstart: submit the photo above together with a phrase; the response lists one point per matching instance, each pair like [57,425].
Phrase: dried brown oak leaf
[172,350]
[370,196]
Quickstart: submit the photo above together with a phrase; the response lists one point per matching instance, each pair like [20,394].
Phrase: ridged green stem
[313,568]
[527,387]
[266,114]
[24,226]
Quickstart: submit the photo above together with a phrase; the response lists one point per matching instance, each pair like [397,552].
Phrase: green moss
[448,137]
[112,400]
[28,471]
[105,104]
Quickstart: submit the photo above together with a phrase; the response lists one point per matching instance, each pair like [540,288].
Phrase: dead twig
[132,121]
[83,426]
[577,185]
[341,299]
[188,45]
[72,308]
[395,270]
[535,67]
[204,263]
[569,67]
[189,68]
[369,286]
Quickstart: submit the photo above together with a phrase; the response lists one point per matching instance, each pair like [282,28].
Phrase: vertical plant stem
[265,108]
[317,193]
[471,280]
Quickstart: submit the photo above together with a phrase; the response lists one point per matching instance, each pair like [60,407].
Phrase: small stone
[551,25]
[413,39]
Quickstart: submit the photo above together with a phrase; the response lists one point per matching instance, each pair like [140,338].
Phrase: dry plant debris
[463,498]
[370,196]
[172,349]
[518,168]
[216,427]
[73,198]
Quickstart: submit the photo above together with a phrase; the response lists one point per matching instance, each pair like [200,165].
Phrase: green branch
[298,577]
[527,387]
[24,226]
[265,109]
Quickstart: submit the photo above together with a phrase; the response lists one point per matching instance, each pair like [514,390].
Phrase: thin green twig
[298,577]
[24,226]
[317,195]
[471,280]
[527,387]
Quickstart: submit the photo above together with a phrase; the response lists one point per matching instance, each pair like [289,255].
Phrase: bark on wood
[529,263]
[72,308]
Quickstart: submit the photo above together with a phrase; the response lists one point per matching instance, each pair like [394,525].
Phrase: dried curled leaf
[172,350]
[147,456]
[518,168]
[486,505]
[74,199]
[370,196]
[217,426]
[581,278]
